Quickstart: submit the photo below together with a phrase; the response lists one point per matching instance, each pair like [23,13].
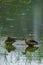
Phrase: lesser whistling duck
[31,43]
[10,40]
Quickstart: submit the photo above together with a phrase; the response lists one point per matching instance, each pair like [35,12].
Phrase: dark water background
[17,17]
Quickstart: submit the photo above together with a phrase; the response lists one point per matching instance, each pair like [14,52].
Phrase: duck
[31,42]
[10,41]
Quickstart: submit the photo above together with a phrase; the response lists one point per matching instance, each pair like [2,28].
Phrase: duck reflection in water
[30,49]
[8,44]
[10,48]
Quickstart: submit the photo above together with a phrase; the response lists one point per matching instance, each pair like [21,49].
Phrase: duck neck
[26,40]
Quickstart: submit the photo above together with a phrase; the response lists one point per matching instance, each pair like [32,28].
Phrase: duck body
[31,43]
[10,40]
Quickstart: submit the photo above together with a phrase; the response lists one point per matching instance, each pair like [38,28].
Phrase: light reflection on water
[17,57]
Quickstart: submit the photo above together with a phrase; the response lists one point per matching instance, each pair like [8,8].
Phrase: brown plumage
[31,42]
[10,40]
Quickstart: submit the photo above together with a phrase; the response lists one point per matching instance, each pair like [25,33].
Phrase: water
[17,56]
[19,19]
